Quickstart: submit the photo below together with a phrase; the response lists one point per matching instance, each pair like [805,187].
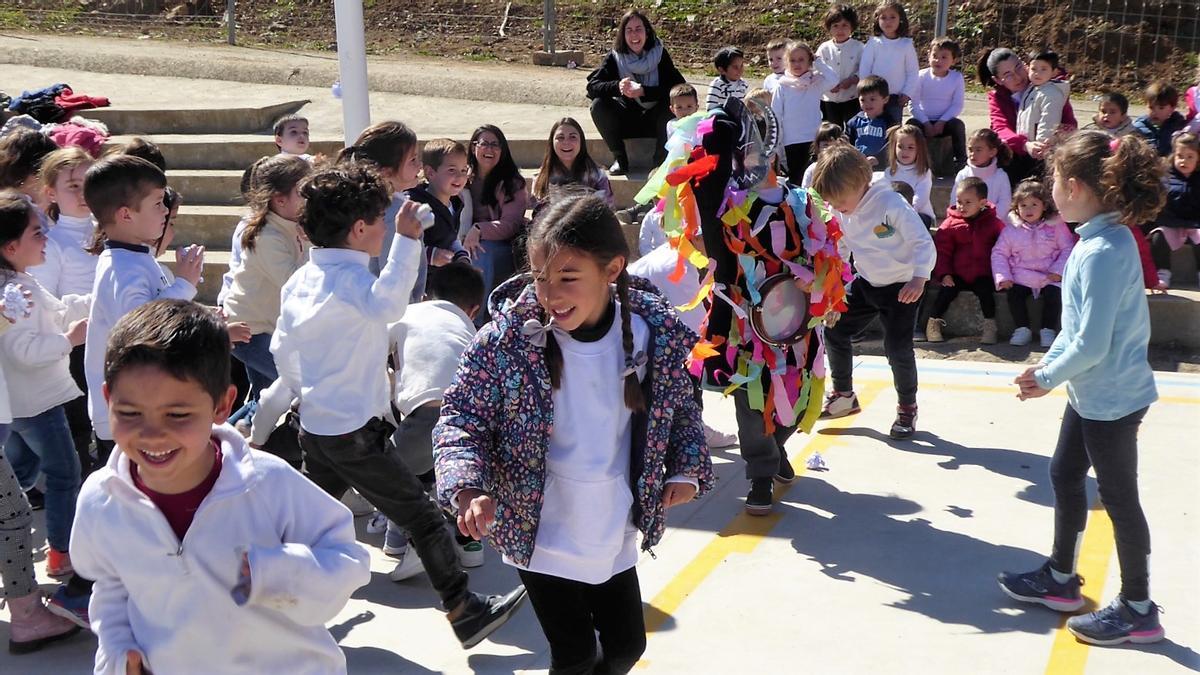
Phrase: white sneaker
[1047,337]
[470,554]
[1021,337]
[718,439]
[357,504]
[408,567]
[377,524]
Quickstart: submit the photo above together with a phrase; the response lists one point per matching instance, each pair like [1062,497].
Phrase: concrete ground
[884,563]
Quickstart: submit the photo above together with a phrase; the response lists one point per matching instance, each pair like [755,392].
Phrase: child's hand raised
[476,513]
[675,494]
[189,263]
[408,223]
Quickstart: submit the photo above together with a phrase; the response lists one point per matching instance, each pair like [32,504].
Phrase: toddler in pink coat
[1028,260]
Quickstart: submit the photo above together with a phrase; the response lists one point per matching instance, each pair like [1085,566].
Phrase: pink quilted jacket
[1025,254]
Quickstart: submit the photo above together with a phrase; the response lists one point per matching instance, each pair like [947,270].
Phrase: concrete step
[216,263]
[207,225]
[209,187]
[194,120]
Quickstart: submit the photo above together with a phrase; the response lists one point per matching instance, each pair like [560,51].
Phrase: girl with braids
[272,250]
[1101,356]
[572,426]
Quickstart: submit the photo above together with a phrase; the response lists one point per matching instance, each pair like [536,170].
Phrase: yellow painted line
[745,532]
[1069,656]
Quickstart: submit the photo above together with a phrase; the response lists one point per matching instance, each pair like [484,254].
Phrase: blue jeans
[496,264]
[260,370]
[49,438]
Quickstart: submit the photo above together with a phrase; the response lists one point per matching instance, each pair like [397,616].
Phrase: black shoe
[37,500]
[906,422]
[786,474]
[619,168]
[758,502]
[484,614]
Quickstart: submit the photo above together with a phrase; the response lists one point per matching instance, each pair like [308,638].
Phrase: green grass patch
[12,18]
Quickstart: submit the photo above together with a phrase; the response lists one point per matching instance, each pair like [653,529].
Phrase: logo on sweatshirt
[883,231]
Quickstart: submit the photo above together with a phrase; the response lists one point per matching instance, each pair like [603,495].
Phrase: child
[21,155]
[125,195]
[147,150]
[908,162]
[35,355]
[1028,260]
[445,170]
[291,136]
[1101,356]
[1160,124]
[843,54]
[964,243]
[1178,224]
[938,100]
[426,347]
[894,255]
[684,102]
[563,502]
[729,62]
[268,558]
[867,130]
[1113,117]
[827,135]
[797,104]
[890,54]
[31,624]
[986,155]
[1041,108]
[567,162]
[775,59]
[272,250]
[249,186]
[331,346]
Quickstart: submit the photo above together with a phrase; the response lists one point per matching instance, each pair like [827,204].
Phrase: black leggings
[1051,305]
[981,287]
[572,612]
[798,155]
[1111,448]
[840,112]
[1160,250]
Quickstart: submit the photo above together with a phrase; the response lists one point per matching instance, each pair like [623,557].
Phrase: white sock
[1060,577]
[1140,606]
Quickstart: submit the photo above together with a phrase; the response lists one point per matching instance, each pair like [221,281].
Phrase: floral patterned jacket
[496,419]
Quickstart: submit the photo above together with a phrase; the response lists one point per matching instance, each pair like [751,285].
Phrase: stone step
[207,225]
[216,263]
[194,120]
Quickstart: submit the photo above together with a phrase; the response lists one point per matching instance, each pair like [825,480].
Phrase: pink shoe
[33,626]
[717,439]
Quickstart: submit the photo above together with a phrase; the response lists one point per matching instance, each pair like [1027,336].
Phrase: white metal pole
[352,64]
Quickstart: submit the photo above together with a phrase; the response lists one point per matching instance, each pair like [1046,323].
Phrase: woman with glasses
[499,198]
[1006,74]
[629,90]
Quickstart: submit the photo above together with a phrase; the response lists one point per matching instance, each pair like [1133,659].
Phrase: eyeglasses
[488,145]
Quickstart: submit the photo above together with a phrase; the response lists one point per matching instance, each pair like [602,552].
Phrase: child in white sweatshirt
[797,103]
[908,162]
[269,557]
[890,54]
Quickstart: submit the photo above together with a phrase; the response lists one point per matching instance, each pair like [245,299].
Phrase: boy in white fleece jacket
[893,257]
[269,557]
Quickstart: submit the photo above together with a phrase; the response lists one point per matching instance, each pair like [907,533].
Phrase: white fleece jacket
[36,352]
[172,601]
[69,269]
[889,242]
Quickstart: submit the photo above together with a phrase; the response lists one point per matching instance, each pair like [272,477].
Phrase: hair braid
[633,388]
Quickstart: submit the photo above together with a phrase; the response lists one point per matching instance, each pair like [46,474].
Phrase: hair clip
[536,331]
[1114,144]
[633,363]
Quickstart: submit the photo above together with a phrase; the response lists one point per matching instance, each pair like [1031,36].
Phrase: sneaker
[838,404]
[58,564]
[786,474]
[906,422]
[758,501]
[933,330]
[988,336]
[395,541]
[377,524]
[718,439]
[33,626]
[70,607]
[1046,335]
[484,614]
[37,499]
[1118,623]
[408,567]
[470,554]
[618,168]
[1164,277]
[357,504]
[1021,337]
[1039,587]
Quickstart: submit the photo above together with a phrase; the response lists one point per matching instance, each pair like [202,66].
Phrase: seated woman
[629,90]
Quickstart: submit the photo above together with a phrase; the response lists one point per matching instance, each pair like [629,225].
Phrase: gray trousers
[16,559]
[763,453]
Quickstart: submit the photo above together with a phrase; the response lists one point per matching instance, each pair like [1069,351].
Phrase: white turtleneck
[68,270]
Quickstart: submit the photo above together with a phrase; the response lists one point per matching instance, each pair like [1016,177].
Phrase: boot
[933,330]
[989,336]
[33,626]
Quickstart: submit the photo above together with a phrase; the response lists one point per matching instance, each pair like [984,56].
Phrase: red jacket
[1002,111]
[964,247]
[1149,273]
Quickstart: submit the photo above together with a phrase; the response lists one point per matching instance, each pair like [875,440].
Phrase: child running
[1028,260]
[545,469]
[257,557]
[1101,356]
[331,345]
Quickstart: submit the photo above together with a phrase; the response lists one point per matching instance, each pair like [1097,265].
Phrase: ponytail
[1125,174]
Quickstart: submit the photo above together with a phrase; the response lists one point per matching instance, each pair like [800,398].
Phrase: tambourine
[781,317]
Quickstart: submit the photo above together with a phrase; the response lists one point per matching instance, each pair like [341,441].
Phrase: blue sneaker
[74,608]
[1118,623]
[1039,587]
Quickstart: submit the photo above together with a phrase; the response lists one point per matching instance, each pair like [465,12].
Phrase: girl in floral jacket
[571,426]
